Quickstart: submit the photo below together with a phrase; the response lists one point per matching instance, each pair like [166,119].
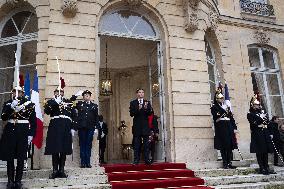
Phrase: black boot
[19,174]
[10,174]
[55,162]
[224,158]
[229,160]
[62,173]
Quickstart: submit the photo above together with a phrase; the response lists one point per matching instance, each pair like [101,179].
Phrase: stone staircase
[78,178]
[242,178]
[95,178]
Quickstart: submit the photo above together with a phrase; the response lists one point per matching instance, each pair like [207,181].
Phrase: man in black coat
[60,131]
[225,129]
[17,135]
[274,132]
[140,109]
[87,124]
[260,137]
[102,136]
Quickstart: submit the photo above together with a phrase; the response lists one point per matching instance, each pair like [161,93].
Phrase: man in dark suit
[140,109]
[87,124]
[103,131]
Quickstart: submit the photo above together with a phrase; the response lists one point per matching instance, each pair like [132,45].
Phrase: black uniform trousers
[102,148]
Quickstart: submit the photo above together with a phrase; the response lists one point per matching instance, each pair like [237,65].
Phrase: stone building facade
[178,50]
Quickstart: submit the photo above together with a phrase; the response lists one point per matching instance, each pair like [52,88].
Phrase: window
[18,38]
[212,69]
[266,79]
[126,23]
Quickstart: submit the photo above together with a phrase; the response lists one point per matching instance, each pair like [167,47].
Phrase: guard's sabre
[17,75]
[278,154]
[240,153]
[59,76]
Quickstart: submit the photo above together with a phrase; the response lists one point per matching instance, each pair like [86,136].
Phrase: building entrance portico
[130,56]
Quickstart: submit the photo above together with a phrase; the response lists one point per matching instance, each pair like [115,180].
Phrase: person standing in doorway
[17,135]
[60,130]
[87,121]
[102,136]
[140,109]
[225,129]
[260,137]
[153,139]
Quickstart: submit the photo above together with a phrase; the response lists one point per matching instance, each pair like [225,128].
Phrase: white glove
[96,132]
[30,138]
[72,132]
[19,108]
[58,99]
[262,115]
[102,136]
[79,93]
[14,104]
[271,136]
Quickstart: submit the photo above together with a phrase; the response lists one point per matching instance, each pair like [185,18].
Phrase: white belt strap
[225,119]
[17,121]
[61,116]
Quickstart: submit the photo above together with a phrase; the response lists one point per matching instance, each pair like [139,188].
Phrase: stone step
[80,186]
[44,173]
[59,182]
[258,185]
[224,172]
[236,179]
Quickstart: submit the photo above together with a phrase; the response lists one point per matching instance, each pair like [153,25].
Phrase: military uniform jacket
[20,125]
[140,118]
[224,126]
[59,137]
[87,117]
[260,136]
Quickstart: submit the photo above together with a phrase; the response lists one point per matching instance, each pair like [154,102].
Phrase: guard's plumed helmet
[218,94]
[254,100]
[62,85]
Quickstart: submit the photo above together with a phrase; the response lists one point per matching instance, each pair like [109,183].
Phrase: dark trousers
[262,160]
[102,147]
[85,142]
[58,161]
[152,146]
[137,143]
[11,171]
[277,145]
[226,157]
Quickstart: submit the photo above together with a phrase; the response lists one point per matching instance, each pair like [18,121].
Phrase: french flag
[227,96]
[37,140]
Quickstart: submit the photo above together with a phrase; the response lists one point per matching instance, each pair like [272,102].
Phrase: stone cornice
[251,24]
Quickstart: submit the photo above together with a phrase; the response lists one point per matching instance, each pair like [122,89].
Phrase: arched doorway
[130,46]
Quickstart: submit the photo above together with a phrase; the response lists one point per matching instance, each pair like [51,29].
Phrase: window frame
[266,71]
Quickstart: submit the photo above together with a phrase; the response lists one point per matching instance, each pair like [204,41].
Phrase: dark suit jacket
[140,118]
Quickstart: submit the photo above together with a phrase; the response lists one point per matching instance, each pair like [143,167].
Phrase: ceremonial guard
[140,109]
[275,134]
[87,124]
[17,135]
[225,129]
[60,131]
[260,137]
[102,136]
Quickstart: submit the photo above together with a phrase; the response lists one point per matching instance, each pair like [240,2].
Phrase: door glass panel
[254,57]
[268,59]
[276,106]
[127,22]
[272,84]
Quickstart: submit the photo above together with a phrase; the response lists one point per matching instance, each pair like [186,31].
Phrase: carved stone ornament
[133,3]
[262,37]
[214,20]
[12,3]
[69,8]
[193,3]
[191,23]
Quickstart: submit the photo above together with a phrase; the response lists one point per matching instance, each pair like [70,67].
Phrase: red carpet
[155,176]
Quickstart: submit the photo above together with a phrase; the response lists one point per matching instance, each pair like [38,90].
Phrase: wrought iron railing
[262,9]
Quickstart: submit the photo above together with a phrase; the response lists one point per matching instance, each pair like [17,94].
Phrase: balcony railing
[262,9]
